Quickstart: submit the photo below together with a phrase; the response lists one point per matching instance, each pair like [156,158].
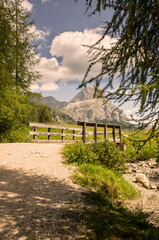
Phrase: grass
[136,152]
[107,183]
[15,135]
[107,219]
[102,153]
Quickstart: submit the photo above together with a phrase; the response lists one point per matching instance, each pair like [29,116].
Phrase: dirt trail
[37,197]
[38,200]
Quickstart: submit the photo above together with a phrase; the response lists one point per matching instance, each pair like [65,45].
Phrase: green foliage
[17,62]
[103,153]
[108,154]
[145,153]
[61,117]
[137,150]
[132,59]
[14,109]
[104,181]
[78,153]
[44,114]
[15,135]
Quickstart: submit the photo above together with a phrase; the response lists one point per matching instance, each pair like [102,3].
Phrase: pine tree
[23,49]
[17,61]
[133,59]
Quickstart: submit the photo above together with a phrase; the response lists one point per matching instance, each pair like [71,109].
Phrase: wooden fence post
[62,132]
[73,133]
[120,135]
[113,133]
[34,136]
[84,132]
[105,131]
[49,136]
[95,132]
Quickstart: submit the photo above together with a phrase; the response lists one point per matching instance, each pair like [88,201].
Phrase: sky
[62,28]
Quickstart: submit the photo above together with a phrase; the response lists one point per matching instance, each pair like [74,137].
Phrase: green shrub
[15,135]
[137,150]
[78,153]
[145,153]
[102,153]
[104,181]
[108,154]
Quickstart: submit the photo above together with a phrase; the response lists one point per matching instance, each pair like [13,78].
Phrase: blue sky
[62,28]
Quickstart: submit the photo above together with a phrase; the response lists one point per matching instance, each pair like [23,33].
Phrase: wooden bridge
[109,131]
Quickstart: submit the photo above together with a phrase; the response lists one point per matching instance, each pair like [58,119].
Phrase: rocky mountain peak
[84,107]
[84,95]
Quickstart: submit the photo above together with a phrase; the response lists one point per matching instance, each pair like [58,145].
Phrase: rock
[153,186]
[84,107]
[141,178]
[127,171]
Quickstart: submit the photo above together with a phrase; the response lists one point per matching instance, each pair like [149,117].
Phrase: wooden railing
[62,134]
[116,136]
[74,133]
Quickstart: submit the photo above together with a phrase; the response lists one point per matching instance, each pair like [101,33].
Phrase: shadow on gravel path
[37,208]
[34,207]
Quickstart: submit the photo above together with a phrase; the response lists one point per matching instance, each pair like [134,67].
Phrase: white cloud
[40,34]
[49,86]
[131,111]
[27,5]
[75,60]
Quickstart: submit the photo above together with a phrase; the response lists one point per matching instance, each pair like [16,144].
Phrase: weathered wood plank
[49,136]
[53,134]
[113,133]
[53,141]
[62,131]
[102,133]
[34,130]
[53,126]
[95,132]
[105,131]
[84,132]
[77,131]
[91,124]
[120,135]
[73,134]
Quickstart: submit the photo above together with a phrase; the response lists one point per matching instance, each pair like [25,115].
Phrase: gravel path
[38,200]
[148,202]
[37,197]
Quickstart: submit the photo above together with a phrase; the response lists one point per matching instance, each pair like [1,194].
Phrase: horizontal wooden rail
[91,124]
[53,126]
[105,126]
[76,132]
[53,134]
[54,130]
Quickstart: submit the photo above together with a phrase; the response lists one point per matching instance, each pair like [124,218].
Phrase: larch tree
[17,62]
[133,59]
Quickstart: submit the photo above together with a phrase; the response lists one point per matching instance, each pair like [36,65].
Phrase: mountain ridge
[84,107]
